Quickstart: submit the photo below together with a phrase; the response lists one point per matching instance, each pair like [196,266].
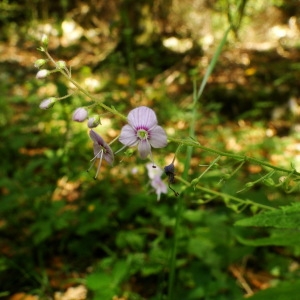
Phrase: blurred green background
[66,236]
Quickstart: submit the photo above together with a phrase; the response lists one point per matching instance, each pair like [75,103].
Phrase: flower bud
[61,64]
[195,181]
[94,121]
[42,74]
[170,172]
[249,184]
[269,182]
[80,114]
[45,40]
[40,62]
[47,103]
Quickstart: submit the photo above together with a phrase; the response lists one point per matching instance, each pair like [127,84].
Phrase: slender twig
[238,157]
[82,90]
[189,152]
[225,196]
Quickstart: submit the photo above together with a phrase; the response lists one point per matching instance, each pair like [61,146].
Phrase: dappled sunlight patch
[249,280]
[66,190]
[72,293]
[23,296]
[32,151]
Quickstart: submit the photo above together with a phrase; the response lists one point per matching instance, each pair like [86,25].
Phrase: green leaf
[283,291]
[277,238]
[98,281]
[130,239]
[284,217]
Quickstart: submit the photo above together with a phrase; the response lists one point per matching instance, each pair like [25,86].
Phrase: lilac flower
[47,103]
[101,150]
[80,114]
[156,182]
[142,130]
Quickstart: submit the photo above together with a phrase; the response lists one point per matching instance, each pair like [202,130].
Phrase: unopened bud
[269,182]
[45,40]
[80,114]
[249,184]
[170,172]
[226,176]
[40,62]
[61,64]
[195,181]
[282,179]
[47,103]
[93,121]
[42,74]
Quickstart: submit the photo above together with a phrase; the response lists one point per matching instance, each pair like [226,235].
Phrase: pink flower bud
[42,74]
[47,103]
[80,114]
[93,121]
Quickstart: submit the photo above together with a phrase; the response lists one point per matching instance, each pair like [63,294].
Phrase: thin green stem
[225,196]
[83,91]
[237,157]
[174,248]
[213,63]
[189,153]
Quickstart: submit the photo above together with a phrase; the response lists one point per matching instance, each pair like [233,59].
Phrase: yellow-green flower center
[142,134]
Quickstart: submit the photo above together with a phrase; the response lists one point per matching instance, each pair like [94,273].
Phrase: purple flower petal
[128,136]
[159,186]
[108,155]
[100,144]
[142,117]
[144,148]
[158,137]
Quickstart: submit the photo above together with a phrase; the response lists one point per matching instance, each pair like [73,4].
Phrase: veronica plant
[144,132]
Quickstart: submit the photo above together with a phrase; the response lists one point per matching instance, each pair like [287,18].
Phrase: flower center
[142,134]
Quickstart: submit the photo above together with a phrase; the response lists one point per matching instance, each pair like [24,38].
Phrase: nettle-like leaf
[287,217]
[284,222]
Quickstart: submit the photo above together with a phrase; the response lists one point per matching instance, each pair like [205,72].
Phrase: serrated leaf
[284,217]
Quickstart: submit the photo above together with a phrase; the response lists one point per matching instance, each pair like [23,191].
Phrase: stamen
[99,164]
[91,165]
[101,150]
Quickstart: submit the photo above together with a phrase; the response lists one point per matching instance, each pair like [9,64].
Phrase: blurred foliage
[60,228]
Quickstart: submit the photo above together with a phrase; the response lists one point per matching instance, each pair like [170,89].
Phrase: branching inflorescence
[144,132]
